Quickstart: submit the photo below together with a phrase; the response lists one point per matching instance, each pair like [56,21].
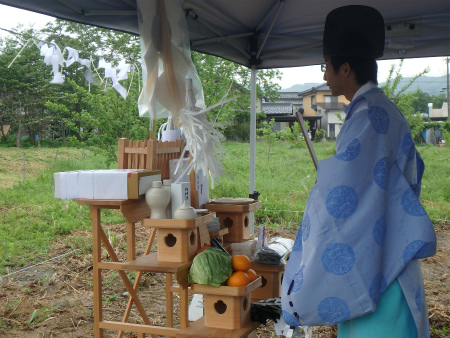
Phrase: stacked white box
[104,184]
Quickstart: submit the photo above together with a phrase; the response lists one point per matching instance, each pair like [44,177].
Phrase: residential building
[321,109]
[282,110]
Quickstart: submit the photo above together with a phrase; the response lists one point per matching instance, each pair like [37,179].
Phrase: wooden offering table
[134,211]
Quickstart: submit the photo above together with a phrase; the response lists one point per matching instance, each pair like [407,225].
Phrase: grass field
[31,219]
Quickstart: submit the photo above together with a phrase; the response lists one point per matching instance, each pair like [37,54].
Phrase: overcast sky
[11,17]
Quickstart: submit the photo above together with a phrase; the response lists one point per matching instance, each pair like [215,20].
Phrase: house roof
[277,108]
[321,88]
[289,95]
[331,105]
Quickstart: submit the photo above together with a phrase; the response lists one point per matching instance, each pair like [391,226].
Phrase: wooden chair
[149,154]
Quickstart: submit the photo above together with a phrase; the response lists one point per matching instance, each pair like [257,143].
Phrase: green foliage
[31,217]
[224,79]
[320,135]
[406,102]
[266,133]
[39,315]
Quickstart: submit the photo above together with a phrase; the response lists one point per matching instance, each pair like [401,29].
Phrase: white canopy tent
[262,34]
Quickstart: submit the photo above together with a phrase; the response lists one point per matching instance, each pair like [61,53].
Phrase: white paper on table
[86,184]
[110,184]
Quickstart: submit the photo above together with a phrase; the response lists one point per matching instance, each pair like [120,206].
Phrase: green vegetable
[210,267]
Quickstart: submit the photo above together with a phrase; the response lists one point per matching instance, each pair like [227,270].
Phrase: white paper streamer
[202,140]
[166,60]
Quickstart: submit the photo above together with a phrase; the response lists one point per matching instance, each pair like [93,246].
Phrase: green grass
[31,219]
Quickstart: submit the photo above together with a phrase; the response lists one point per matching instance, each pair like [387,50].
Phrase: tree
[24,88]
[406,102]
[224,79]
[96,114]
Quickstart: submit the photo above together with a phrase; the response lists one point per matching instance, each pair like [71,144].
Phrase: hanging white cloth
[166,60]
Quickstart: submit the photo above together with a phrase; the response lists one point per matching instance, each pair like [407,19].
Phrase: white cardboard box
[179,193]
[104,184]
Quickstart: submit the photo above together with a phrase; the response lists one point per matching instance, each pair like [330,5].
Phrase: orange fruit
[251,274]
[241,262]
[238,278]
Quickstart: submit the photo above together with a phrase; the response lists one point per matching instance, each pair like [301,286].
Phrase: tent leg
[252,141]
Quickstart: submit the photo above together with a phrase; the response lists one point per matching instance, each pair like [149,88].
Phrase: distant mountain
[429,84]
[301,87]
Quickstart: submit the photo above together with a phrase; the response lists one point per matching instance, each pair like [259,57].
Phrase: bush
[320,135]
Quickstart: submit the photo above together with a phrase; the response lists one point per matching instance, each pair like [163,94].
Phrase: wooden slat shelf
[198,329]
[140,328]
[147,263]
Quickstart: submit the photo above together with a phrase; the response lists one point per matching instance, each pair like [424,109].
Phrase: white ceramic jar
[157,199]
[185,212]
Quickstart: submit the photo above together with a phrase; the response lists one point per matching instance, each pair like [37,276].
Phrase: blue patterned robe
[364,225]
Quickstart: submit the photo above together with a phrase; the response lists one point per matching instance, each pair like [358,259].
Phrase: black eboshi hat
[354,31]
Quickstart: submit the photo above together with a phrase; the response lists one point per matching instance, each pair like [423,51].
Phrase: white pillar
[252,141]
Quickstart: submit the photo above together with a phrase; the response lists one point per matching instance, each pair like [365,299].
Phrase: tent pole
[252,141]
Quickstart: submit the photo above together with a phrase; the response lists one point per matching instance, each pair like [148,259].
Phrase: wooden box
[237,225]
[177,239]
[235,218]
[271,277]
[226,307]
[176,245]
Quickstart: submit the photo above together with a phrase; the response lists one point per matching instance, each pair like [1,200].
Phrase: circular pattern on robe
[333,310]
[297,280]
[408,146]
[379,119]
[416,249]
[306,228]
[350,152]
[380,173]
[411,204]
[290,319]
[377,287]
[419,298]
[338,258]
[379,231]
[341,201]
[298,245]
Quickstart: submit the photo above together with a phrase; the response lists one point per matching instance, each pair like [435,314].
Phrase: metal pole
[252,141]
[448,92]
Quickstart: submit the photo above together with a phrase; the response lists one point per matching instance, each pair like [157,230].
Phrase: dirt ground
[55,299]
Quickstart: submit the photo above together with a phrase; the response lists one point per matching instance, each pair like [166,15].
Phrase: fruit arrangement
[242,273]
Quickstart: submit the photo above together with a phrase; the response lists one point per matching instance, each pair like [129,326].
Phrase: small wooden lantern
[235,218]
[177,245]
[271,278]
[226,307]
[177,239]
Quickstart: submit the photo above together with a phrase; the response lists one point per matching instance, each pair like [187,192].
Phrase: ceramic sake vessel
[157,199]
[185,212]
